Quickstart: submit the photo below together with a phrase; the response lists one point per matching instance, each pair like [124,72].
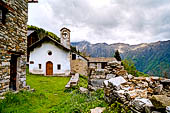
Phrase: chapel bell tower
[65,37]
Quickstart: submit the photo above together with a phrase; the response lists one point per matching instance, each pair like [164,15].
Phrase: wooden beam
[32,1]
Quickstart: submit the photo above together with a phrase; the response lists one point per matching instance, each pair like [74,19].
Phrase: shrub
[131,69]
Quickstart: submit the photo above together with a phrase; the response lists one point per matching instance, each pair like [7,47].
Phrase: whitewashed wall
[40,56]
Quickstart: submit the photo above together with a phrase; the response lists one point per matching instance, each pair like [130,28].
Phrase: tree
[117,55]
[131,69]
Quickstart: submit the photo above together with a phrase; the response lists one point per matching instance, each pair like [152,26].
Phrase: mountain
[151,58]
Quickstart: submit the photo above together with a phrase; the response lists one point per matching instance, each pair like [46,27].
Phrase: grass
[50,96]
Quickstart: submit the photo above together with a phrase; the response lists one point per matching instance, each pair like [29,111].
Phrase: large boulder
[160,101]
[141,103]
[117,81]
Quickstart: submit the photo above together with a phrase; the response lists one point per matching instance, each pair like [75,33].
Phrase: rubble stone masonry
[13,41]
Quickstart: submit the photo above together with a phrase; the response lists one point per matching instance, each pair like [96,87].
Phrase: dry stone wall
[140,94]
[98,76]
[13,40]
[79,66]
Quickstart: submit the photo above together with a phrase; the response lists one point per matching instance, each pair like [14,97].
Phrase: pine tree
[117,55]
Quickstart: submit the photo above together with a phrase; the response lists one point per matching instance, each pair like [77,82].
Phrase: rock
[165,81]
[120,95]
[158,89]
[114,63]
[109,76]
[130,76]
[141,103]
[97,110]
[168,109]
[140,78]
[150,90]
[83,90]
[1,98]
[160,101]
[96,82]
[106,83]
[137,93]
[107,92]
[155,78]
[91,88]
[148,79]
[145,84]
[117,81]
[122,73]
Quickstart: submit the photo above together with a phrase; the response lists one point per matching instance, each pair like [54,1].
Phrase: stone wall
[79,66]
[13,41]
[98,76]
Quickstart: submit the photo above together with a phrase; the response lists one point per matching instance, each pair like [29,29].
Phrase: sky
[104,21]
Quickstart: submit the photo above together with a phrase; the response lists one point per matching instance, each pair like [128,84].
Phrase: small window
[59,66]
[49,52]
[73,56]
[39,65]
[31,62]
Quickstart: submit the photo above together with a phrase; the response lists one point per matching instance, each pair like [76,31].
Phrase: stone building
[99,62]
[13,44]
[79,64]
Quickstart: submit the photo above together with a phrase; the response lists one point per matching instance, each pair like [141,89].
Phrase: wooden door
[49,68]
[13,72]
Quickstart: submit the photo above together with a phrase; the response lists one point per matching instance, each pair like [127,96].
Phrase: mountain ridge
[148,57]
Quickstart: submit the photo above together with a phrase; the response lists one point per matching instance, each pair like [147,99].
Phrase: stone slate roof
[47,38]
[101,59]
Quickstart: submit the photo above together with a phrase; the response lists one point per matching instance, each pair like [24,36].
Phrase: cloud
[110,21]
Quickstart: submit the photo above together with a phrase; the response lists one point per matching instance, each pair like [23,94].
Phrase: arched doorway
[49,68]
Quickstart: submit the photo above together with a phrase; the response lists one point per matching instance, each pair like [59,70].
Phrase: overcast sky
[109,21]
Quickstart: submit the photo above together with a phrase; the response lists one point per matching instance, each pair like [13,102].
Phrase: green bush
[83,81]
[131,69]
[117,107]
